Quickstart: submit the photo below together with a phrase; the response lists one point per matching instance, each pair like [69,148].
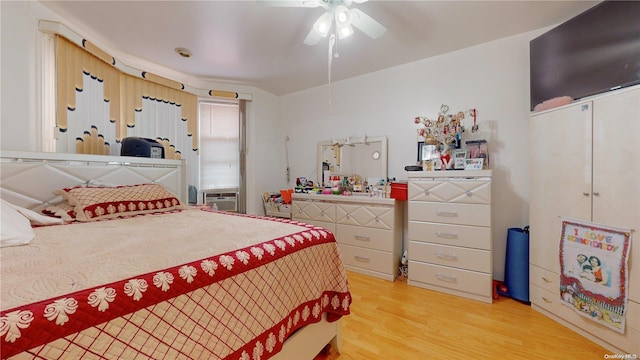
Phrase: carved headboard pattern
[28,179]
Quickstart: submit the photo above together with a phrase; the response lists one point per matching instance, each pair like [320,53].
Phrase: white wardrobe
[585,165]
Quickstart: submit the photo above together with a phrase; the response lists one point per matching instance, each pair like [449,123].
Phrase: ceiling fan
[338,14]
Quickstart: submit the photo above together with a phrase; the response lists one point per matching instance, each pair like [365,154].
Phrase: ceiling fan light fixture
[343,15]
[323,24]
[345,31]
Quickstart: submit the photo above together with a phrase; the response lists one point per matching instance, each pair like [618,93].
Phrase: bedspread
[209,286]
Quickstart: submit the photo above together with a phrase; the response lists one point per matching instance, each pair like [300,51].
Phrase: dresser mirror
[363,156]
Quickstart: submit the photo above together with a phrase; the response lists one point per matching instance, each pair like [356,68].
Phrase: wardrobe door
[616,170]
[560,174]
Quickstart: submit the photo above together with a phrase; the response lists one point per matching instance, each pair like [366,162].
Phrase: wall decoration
[593,271]
[444,131]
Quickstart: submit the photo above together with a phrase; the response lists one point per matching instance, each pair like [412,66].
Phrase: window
[219,146]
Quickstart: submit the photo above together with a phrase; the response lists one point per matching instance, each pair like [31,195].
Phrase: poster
[593,271]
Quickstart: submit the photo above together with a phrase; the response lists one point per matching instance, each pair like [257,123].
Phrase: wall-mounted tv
[596,51]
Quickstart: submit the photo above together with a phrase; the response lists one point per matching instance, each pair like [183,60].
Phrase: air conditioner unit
[224,201]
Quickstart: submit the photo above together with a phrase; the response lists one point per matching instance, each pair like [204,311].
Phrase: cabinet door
[616,170]
[560,174]
[616,163]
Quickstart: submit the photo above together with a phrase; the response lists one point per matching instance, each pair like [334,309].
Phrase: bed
[184,282]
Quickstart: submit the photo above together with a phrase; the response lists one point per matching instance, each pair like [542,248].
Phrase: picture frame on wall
[459,157]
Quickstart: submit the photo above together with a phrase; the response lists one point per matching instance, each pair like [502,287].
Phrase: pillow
[16,229]
[96,203]
[62,210]
[33,217]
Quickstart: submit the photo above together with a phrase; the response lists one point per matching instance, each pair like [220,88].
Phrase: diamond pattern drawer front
[314,210]
[454,191]
[377,217]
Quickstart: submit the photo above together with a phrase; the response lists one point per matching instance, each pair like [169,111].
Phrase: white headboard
[28,179]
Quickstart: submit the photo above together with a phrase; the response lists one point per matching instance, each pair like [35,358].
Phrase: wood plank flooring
[392,320]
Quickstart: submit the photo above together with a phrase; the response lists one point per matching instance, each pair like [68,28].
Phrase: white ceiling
[247,42]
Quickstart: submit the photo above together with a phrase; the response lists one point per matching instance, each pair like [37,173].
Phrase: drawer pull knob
[361,237]
[452,257]
[446,278]
[468,193]
[547,300]
[426,192]
[446,235]
[546,280]
[447,213]
[361,259]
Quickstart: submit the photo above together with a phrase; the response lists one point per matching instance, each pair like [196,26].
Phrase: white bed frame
[28,179]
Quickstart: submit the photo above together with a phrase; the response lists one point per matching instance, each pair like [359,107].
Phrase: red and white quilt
[192,284]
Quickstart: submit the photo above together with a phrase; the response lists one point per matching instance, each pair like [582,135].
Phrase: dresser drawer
[373,260]
[458,235]
[313,210]
[544,278]
[546,299]
[365,237]
[463,214]
[374,216]
[451,278]
[458,257]
[466,191]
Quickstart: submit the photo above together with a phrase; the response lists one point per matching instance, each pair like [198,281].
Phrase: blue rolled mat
[516,272]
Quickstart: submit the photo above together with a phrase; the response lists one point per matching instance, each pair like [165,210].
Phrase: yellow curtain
[123,92]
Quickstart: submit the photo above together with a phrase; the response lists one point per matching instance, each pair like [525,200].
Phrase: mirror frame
[368,140]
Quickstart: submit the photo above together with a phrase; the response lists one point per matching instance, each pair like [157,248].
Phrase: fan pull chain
[332,41]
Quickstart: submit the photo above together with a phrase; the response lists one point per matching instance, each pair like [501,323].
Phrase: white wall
[492,77]
[18,75]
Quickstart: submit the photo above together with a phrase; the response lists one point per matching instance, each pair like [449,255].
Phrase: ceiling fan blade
[292,3]
[348,3]
[366,24]
[312,38]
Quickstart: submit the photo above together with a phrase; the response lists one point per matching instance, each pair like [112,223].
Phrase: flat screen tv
[595,52]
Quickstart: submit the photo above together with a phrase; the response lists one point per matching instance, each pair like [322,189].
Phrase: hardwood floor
[392,320]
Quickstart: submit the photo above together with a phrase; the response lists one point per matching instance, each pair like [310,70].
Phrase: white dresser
[368,230]
[450,245]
